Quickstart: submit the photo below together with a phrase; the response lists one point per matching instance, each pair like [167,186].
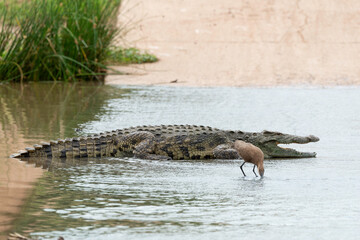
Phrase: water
[30,114]
[138,199]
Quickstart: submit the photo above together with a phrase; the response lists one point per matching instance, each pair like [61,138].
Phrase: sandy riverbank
[242,43]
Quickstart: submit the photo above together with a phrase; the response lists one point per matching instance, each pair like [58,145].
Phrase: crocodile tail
[91,146]
[39,150]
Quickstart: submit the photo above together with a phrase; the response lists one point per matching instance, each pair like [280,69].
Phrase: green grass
[61,40]
[129,55]
[57,39]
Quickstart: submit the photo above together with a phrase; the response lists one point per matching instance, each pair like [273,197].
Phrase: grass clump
[129,55]
[56,39]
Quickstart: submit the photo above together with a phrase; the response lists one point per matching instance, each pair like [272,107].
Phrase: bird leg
[242,169]
[254,171]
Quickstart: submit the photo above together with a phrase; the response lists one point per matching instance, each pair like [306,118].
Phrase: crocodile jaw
[272,150]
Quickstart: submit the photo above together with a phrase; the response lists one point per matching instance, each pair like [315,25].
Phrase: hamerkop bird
[250,154]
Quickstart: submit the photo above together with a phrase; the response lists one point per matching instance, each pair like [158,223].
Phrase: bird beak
[261,173]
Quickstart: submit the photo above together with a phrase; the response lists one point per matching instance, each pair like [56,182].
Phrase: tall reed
[56,39]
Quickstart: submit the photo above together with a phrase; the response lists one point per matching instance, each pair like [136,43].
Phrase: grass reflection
[50,110]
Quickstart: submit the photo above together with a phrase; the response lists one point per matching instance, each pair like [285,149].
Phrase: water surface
[32,113]
[137,199]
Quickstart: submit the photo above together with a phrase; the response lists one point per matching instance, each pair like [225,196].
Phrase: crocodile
[165,142]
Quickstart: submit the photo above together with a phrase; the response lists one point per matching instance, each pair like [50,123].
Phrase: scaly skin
[169,142]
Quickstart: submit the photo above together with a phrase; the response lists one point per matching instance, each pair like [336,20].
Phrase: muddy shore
[242,43]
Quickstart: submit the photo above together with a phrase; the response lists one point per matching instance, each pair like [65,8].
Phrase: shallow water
[30,114]
[135,199]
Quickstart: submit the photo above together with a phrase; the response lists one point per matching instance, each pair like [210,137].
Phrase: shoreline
[232,43]
[132,80]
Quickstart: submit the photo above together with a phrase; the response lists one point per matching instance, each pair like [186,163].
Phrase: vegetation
[50,110]
[129,55]
[59,40]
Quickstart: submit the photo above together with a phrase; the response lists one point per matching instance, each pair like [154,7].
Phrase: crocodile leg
[141,143]
[225,151]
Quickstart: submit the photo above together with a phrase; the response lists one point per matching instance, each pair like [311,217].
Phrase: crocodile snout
[313,138]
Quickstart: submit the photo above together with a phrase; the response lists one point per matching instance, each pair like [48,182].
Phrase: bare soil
[244,43]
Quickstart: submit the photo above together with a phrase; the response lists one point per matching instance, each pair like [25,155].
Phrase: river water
[127,198]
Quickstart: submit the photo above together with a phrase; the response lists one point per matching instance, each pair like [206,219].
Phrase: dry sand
[245,43]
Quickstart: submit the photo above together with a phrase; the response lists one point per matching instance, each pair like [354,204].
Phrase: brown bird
[250,154]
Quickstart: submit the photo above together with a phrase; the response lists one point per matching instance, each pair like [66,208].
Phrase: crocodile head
[268,142]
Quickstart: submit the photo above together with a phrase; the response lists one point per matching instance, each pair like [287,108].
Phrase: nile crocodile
[169,142]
